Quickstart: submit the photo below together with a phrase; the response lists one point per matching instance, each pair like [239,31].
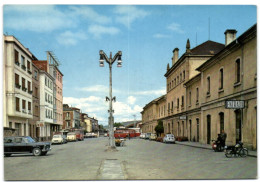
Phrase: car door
[19,145]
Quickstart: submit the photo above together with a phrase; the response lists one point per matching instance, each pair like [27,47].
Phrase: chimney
[188,46]
[230,35]
[175,55]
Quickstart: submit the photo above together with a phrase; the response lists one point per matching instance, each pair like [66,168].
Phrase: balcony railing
[17,85]
[24,67]
[24,89]
[30,91]
[29,71]
[67,118]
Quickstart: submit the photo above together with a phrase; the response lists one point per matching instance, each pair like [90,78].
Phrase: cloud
[158,35]
[99,30]
[176,28]
[71,38]
[131,100]
[128,14]
[37,18]
[99,89]
[89,14]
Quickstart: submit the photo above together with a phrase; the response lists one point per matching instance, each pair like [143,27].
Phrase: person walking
[223,136]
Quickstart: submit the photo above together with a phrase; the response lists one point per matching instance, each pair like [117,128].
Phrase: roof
[127,123]
[207,48]
[250,32]
[154,101]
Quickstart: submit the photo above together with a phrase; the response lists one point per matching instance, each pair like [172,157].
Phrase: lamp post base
[111,149]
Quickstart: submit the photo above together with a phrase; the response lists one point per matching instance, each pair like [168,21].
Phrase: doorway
[190,131]
[198,130]
[238,125]
[208,129]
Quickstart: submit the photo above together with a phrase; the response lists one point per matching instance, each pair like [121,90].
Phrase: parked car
[153,136]
[142,135]
[25,144]
[71,136]
[105,135]
[147,135]
[169,138]
[58,139]
[79,135]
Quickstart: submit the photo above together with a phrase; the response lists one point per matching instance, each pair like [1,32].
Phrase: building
[151,113]
[17,86]
[229,91]
[57,91]
[71,117]
[46,100]
[35,127]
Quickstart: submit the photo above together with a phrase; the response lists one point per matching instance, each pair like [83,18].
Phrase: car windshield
[57,136]
[71,134]
[169,136]
[30,140]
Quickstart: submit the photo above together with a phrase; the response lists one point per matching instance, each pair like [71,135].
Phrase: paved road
[139,159]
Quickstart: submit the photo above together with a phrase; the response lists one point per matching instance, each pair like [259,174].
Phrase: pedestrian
[223,136]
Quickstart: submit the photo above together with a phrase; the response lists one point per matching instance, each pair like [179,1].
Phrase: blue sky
[146,35]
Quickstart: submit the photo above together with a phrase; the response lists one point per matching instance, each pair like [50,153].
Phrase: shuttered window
[17,102]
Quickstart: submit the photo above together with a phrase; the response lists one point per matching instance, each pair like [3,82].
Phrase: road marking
[111,169]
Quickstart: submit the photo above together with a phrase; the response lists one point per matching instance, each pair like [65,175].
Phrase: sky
[146,35]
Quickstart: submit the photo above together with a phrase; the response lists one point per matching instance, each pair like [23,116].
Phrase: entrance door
[238,126]
[190,131]
[182,128]
[198,130]
[208,129]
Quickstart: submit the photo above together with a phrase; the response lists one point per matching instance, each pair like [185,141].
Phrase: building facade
[17,86]
[71,117]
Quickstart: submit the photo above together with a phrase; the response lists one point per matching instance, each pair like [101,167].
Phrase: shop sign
[235,104]
[182,117]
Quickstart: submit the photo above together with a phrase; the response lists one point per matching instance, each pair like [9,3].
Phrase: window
[174,81]
[180,77]
[208,84]
[172,106]
[46,113]
[29,107]
[177,79]
[221,79]
[23,84]
[36,75]
[28,65]
[17,103]
[23,63]
[190,98]
[16,57]
[221,118]
[35,91]
[17,84]
[182,101]
[46,97]
[197,94]
[238,70]
[178,103]
[184,75]
[45,81]
[29,86]
[24,105]
[168,107]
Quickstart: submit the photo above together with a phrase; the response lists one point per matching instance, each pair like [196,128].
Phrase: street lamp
[110,61]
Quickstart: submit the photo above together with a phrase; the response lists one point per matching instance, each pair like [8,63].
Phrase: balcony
[17,63]
[24,89]
[29,71]
[30,91]
[24,67]
[24,111]
[17,85]
[67,118]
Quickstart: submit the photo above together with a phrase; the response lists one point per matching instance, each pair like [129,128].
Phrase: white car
[142,135]
[57,139]
[169,138]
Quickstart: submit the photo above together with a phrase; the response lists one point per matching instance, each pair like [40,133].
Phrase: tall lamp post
[110,61]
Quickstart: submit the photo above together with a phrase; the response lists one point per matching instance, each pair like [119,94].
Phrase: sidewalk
[251,153]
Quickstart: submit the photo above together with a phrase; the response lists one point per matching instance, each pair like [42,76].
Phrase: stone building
[71,117]
[17,85]
[229,91]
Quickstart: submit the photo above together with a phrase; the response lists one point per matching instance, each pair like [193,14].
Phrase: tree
[118,124]
[159,128]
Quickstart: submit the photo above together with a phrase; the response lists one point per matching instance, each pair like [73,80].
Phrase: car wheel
[37,152]
[8,155]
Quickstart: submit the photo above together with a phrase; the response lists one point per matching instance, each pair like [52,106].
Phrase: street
[138,159]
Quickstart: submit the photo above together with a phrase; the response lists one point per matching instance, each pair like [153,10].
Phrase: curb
[201,147]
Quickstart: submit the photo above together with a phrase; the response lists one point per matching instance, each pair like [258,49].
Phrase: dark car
[25,144]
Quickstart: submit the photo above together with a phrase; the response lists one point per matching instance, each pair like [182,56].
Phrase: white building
[17,85]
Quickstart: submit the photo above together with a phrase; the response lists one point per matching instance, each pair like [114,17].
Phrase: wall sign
[235,104]
[182,117]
